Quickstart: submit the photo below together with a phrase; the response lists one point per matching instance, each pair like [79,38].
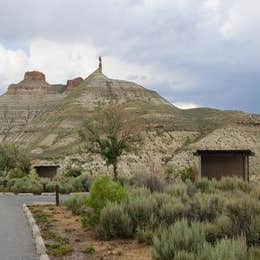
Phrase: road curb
[42,194]
[36,233]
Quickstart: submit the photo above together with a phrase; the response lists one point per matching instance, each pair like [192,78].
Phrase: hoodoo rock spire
[100,64]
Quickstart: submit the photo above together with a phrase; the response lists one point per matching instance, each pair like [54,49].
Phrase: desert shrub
[16,173]
[183,255]
[172,211]
[144,235]
[178,190]
[254,253]
[26,184]
[72,171]
[169,172]
[178,238]
[66,184]
[82,183]
[161,198]
[231,184]
[187,174]
[205,207]
[141,210]
[203,185]
[253,232]
[136,192]
[76,203]
[242,211]
[226,249]
[255,192]
[115,222]
[152,181]
[102,191]
[191,188]
[217,230]
[3,181]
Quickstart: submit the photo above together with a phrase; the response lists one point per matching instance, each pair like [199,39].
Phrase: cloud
[193,51]
[61,61]
[186,105]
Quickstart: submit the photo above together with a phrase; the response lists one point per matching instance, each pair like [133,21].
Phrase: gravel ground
[16,242]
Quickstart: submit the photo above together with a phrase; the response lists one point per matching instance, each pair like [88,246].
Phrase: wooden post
[44,187]
[57,195]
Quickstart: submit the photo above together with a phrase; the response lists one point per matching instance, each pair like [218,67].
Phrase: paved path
[16,242]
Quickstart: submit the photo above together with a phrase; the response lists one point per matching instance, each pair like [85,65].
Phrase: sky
[192,52]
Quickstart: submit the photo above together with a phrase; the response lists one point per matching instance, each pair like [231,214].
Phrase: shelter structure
[223,163]
[46,171]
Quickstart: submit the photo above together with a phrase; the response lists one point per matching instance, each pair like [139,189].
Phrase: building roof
[204,152]
[46,166]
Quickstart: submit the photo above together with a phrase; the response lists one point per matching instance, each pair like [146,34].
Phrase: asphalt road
[16,242]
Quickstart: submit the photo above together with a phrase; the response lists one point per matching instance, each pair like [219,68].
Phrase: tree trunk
[115,171]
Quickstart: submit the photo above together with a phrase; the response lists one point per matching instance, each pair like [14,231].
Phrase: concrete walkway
[16,242]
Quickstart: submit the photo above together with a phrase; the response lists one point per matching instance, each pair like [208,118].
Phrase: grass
[60,250]
[88,250]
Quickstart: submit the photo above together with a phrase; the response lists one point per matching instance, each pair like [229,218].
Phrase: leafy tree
[13,158]
[110,132]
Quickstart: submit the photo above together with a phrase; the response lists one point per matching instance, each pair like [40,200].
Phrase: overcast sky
[193,52]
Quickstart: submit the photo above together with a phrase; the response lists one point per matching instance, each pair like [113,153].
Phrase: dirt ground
[66,239]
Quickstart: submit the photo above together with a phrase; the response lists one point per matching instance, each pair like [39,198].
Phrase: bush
[138,192]
[27,184]
[115,222]
[178,190]
[242,211]
[145,235]
[203,185]
[255,192]
[3,181]
[253,233]
[66,184]
[72,171]
[172,211]
[173,240]
[231,184]
[226,249]
[219,229]
[11,157]
[82,183]
[205,207]
[16,173]
[183,255]
[104,190]
[187,174]
[142,211]
[76,203]
[153,182]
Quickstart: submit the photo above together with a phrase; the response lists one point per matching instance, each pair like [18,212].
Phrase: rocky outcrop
[71,84]
[34,83]
[34,75]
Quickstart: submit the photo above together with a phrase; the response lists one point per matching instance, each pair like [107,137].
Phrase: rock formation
[34,75]
[71,84]
[34,83]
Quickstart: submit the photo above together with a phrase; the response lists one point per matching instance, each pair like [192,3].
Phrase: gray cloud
[213,44]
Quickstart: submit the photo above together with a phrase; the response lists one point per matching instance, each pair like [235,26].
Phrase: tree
[11,157]
[110,132]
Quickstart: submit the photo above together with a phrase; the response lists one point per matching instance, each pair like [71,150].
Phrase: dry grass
[65,232]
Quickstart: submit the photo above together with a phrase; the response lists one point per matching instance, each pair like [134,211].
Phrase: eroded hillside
[46,119]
